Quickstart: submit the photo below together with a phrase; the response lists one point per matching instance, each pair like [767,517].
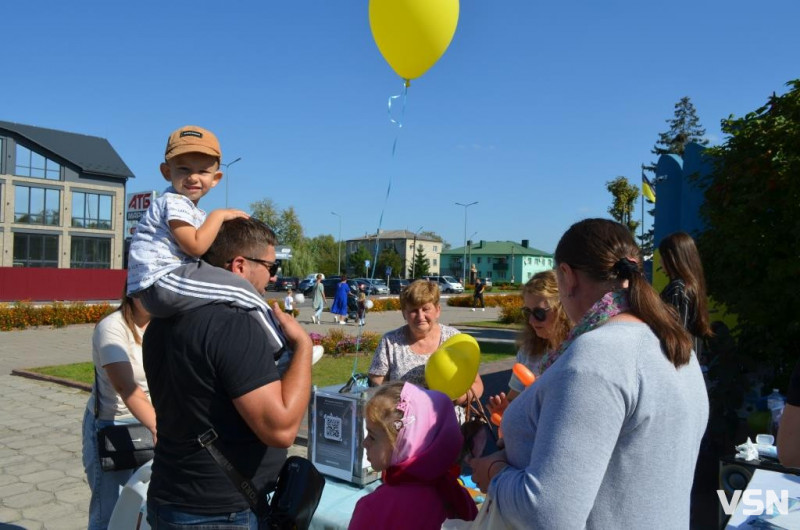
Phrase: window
[479,259]
[436,248]
[32,164]
[90,210]
[33,250]
[434,263]
[36,206]
[90,253]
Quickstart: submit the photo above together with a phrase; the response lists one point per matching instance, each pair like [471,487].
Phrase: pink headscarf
[427,446]
[417,428]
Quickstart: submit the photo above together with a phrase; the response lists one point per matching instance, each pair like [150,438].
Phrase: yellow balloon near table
[412,34]
[453,367]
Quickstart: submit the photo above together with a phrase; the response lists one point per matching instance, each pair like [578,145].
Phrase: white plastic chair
[130,512]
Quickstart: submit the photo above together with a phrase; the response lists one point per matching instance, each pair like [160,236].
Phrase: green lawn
[328,371]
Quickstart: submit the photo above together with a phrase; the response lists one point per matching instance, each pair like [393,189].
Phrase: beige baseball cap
[192,139]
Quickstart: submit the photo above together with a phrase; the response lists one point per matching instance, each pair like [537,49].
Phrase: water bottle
[775,404]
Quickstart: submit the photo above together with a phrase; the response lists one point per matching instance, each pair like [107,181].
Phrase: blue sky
[532,109]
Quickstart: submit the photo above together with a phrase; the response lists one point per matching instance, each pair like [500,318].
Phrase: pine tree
[684,127]
[420,267]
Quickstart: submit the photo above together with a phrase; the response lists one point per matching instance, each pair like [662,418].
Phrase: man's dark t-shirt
[197,362]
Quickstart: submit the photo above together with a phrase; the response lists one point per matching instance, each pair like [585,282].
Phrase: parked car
[305,285]
[284,283]
[396,285]
[447,284]
[373,286]
[330,284]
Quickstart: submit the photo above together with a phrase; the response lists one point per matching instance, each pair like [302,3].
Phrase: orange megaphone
[526,377]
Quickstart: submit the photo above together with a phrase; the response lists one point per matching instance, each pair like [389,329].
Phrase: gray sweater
[607,437]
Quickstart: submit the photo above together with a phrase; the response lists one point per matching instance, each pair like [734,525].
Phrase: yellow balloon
[412,34]
[453,367]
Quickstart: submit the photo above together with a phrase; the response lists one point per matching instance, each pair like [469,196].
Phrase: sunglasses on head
[539,314]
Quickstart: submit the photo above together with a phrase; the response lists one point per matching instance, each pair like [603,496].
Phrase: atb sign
[136,204]
[755,502]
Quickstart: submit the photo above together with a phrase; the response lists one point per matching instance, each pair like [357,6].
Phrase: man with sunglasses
[212,370]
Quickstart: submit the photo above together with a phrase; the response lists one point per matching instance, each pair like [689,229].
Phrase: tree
[684,127]
[429,234]
[625,195]
[355,261]
[420,266]
[389,258]
[325,250]
[751,246]
[289,232]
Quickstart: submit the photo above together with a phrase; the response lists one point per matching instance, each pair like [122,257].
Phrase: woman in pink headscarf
[413,436]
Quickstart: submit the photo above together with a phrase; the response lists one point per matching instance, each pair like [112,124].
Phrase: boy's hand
[498,403]
[232,213]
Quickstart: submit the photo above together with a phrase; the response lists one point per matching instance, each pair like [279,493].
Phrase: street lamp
[339,270]
[464,265]
[229,164]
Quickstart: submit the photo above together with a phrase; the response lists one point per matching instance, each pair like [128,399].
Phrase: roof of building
[498,248]
[394,234]
[92,154]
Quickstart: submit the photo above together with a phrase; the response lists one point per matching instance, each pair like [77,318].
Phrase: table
[338,501]
[773,481]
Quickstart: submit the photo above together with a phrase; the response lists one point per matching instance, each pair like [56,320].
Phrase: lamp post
[228,165]
[464,265]
[339,270]
[414,254]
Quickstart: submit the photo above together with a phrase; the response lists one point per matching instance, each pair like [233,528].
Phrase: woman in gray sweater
[608,436]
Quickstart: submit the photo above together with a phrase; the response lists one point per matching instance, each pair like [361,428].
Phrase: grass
[328,371]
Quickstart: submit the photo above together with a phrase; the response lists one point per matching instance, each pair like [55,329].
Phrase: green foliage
[289,230]
[420,267]
[625,195]
[389,257]
[355,261]
[325,250]
[751,249]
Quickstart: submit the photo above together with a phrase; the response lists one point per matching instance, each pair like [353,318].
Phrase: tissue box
[336,432]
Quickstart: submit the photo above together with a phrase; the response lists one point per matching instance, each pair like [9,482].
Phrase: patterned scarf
[611,304]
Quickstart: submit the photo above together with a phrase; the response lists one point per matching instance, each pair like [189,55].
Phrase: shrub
[22,315]
[386,304]
[466,300]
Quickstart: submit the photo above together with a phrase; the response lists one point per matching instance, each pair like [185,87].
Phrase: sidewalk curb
[52,379]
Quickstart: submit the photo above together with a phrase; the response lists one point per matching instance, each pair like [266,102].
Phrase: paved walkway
[42,482]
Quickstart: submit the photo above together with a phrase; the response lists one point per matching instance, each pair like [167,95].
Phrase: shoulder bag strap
[96,395]
[258,503]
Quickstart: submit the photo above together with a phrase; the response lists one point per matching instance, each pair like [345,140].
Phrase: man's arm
[196,241]
[789,437]
[274,411]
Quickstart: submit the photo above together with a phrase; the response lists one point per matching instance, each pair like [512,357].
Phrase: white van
[447,284]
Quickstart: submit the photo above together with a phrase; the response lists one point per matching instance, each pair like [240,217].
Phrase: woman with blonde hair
[120,395]
[402,354]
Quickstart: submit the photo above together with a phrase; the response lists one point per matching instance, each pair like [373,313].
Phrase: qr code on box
[333,427]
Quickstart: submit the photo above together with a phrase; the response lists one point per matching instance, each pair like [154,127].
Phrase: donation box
[336,432]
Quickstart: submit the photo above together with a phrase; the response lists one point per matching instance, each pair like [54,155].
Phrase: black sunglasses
[538,313]
[272,266]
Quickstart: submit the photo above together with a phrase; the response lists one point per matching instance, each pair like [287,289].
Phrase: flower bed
[22,315]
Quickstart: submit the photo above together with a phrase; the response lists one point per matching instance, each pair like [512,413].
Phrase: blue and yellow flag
[647,190]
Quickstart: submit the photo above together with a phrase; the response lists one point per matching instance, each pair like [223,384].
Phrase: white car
[447,284]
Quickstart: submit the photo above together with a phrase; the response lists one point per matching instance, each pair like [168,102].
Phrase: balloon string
[403,96]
